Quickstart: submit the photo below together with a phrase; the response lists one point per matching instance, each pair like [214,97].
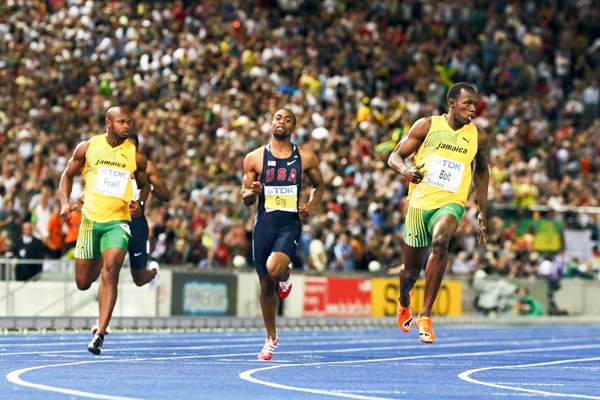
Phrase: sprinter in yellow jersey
[108,161]
[448,153]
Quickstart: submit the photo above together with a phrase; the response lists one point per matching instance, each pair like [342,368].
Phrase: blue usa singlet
[278,226]
[281,179]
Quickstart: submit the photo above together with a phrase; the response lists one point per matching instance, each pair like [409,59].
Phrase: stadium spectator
[29,248]
[204,91]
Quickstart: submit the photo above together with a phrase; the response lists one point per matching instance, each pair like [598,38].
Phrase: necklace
[113,142]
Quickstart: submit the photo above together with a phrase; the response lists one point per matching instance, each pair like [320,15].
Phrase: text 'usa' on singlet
[107,174]
[448,157]
[281,179]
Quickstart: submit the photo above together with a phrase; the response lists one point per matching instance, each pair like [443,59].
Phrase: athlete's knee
[440,243]
[110,276]
[83,283]
[279,273]
[278,267]
[410,275]
[138,281]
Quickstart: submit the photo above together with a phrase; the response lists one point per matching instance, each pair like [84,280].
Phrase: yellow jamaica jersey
[107,174]
[448,157]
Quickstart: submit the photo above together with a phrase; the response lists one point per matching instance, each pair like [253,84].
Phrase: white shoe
[153,284]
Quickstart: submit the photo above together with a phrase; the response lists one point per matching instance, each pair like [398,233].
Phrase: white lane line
[400,344]
[206,342]
[15,378]
[466,376]
[248,375]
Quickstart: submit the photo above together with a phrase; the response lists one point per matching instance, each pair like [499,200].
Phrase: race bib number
[282,198]
[445,174]
[112,182]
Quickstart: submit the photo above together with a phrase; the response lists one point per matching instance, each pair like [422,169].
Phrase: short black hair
[455,89]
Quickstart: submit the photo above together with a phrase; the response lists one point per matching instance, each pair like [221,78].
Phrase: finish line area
[519,360]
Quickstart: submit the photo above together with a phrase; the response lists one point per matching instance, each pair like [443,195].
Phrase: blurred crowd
[203,78]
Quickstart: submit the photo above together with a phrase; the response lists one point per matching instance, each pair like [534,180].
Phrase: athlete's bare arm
[406,148]
[141,178]
[481,178]
[251,186]
[74,166]
[310,164]
[158,183]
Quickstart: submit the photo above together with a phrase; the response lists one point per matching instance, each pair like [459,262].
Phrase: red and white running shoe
[285,288]
[268,349]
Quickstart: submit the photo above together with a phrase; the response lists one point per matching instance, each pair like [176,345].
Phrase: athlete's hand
[482,233]
[256,187]
[135,208]
[414,174]
[304,211]
[65,211]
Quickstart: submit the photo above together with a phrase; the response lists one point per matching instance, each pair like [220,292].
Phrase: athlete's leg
[115,237]
[277,266]
[112,260]
[444,229]
[414,259]
[86,272]
[138,252]
[416,246]
[88,261]
[143,276]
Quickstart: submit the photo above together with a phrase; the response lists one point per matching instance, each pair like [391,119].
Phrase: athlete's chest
[107,157]
[460,144]
[282,171]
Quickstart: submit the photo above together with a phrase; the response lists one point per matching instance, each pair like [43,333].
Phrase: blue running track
[525,362]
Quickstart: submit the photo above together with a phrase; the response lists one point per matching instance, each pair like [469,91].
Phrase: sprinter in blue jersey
[142,271]
[273,175]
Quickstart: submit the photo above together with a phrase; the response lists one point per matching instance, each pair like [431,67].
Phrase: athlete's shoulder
[81,149]
[305,150]
[482,137]
[420,127]
[254,158]
[257,154]
[308,155]
[435,121]
[258,150]
[96,138]
[129,145]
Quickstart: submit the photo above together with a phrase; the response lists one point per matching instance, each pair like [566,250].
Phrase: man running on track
[449,153]
[108,160]
[273,175]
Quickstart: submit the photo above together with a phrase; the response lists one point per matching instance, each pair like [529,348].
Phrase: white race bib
[282,198]
[112,182]
[445,173]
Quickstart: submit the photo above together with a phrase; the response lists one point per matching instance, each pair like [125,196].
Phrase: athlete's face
[119,124]
[282,125]
[464,106]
